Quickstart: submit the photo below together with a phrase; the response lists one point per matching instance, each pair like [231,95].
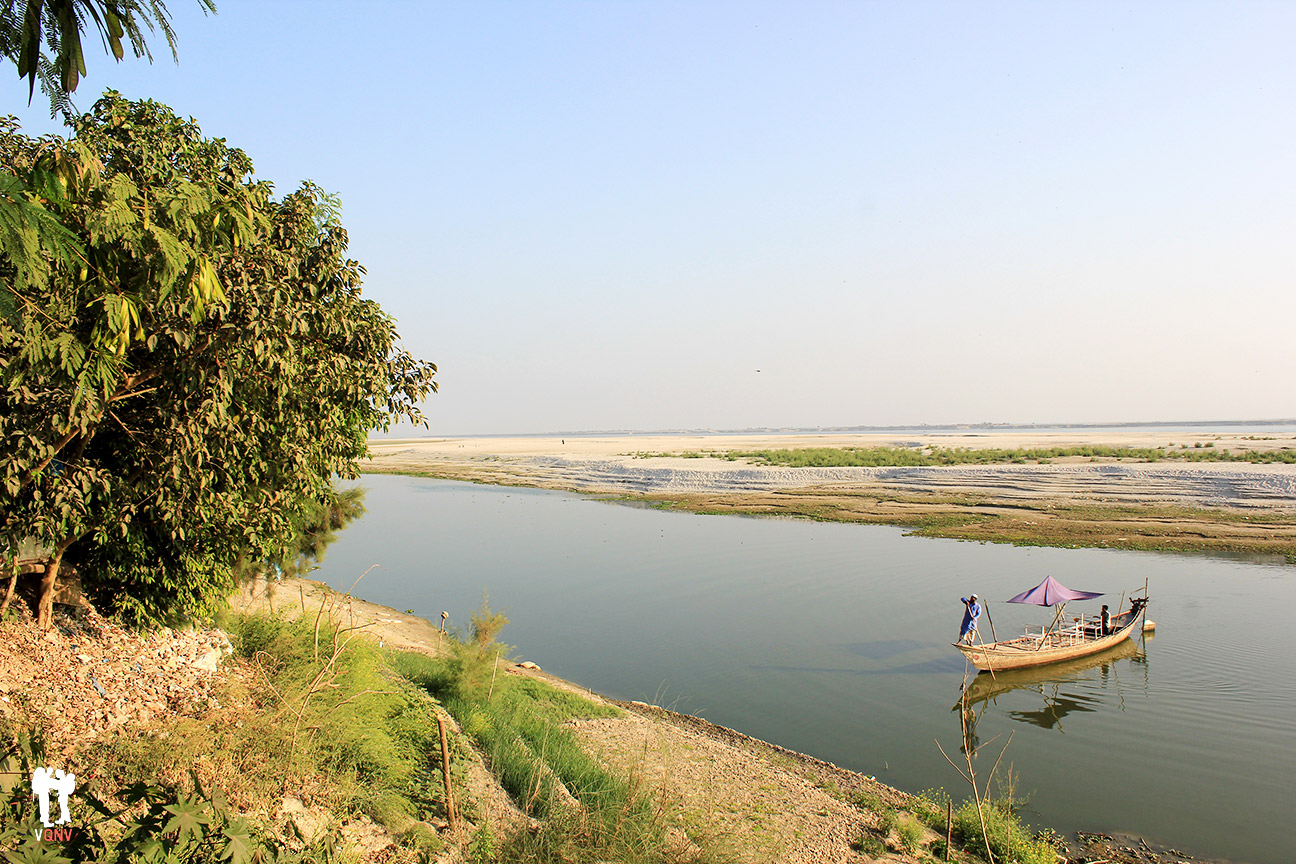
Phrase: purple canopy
[1051,591]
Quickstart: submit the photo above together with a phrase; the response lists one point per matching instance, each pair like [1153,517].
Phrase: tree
[43,38]
[180,394]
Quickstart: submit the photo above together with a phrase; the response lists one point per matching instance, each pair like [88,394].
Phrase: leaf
[238,845]
[36,853]
[187,819]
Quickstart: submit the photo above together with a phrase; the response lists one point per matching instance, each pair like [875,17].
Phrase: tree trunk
[13,580]
[45,608]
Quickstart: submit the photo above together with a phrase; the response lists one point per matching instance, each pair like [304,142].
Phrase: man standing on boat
[971,612]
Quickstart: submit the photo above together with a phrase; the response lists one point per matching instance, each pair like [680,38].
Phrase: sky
[616,215]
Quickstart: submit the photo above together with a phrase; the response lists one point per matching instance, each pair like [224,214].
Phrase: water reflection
[1077,687]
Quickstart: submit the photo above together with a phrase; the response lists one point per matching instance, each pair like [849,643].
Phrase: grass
[364,728]
[351,730]
[315,715]
[1041,522]
[589,813]
[1010,840]
[889,457]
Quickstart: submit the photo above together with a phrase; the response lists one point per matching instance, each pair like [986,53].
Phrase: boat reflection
[1093,674]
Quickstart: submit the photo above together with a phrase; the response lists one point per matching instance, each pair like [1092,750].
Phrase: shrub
[909,831]
[1009,839]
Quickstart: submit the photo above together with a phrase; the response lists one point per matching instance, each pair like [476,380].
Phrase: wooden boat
[1061,640]
[987,687]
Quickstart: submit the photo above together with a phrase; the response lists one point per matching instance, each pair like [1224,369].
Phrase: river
[833,640]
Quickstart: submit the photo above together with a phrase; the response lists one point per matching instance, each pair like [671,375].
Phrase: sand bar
[1128,503]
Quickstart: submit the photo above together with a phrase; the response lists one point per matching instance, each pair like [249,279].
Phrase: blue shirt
[970,615]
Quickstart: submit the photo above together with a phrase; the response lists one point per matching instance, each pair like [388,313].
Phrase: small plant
[870,844]
[909,831]
[483,847]
[867,801]
[1007,837]
[486,625]
[930,807]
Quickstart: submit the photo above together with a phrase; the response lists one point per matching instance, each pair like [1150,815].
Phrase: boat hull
[1025,652]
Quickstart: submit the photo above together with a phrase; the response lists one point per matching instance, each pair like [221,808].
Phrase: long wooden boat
[986,686]
[1079,639]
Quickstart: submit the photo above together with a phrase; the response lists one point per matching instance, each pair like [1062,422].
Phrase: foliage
[590,813]
[182,386]
[343,712]
[486,625]
[908,831]
[155,823]
[930,807]
[365,746]
[886,457]
[313,529]
[1009,839]
[483,847]
[870,844]
[43,38]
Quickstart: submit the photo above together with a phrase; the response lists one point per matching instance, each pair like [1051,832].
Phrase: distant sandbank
[1072,501]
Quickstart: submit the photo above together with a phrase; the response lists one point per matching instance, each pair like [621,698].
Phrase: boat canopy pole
[1057,616]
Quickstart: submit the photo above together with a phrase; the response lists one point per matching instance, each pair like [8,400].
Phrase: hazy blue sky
[611,215]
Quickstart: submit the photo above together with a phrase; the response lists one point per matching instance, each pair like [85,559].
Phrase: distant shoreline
[1106,503]
[920,428]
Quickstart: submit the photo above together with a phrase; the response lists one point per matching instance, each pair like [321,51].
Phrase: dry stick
[318,615]
[970,776]
[494,669]
[445,772]
[949,827]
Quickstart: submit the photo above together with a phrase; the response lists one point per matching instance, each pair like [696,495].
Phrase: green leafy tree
[43,38]
[179,392]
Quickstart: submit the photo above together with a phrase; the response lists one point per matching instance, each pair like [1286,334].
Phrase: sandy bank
[1168,505]
[615,465]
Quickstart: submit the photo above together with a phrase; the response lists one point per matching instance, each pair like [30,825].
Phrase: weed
[589,813]
[335,725]
[909,831]
[483,847]
[868,801]
[1009,839]
[870,844]
[930,807]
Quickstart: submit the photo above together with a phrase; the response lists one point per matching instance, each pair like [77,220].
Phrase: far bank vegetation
[895,457]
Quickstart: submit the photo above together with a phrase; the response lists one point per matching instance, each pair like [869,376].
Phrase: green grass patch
[323,717]
[589,813]
[1010,840]
[892,457]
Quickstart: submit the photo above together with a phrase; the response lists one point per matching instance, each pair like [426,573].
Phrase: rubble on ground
[87,676]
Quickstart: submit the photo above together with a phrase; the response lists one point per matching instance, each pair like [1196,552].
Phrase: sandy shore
[1168,504]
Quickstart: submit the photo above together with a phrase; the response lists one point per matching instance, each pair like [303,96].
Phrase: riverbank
[755,800]
[1107,502]
[738,798]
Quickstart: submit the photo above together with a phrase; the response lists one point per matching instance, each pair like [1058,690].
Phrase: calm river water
[834,640]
